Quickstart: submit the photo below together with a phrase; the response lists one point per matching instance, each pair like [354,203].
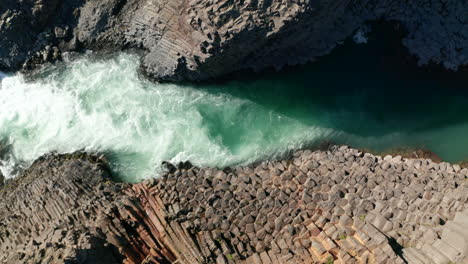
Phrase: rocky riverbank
[196,40]
[333,206]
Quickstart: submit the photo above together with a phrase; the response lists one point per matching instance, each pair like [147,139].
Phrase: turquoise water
[103,105]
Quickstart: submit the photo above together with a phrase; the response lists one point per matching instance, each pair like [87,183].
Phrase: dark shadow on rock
[377,85]
[397,248]
[100,252]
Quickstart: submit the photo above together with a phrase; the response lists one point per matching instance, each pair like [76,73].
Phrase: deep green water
[356,96]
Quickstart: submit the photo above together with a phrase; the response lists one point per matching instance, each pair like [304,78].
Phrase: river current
[103,105]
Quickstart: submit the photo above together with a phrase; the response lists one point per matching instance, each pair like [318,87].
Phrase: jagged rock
[84,214]
[197,40]
[57,193]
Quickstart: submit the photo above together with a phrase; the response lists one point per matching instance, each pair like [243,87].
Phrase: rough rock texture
[340,205]
[50,214]
[335,206]
[65,209]
[196,40]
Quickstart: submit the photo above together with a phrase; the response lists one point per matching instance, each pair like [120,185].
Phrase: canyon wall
[333,206]
[182,40]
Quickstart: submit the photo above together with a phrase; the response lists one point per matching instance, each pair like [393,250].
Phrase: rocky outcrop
[185,40]
[451,247]
[53,213]
[340,205]
[334,206]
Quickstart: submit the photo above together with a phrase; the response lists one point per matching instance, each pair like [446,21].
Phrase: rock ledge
[335,206]
[197,40]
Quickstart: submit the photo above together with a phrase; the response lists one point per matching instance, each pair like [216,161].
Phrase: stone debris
[334,206]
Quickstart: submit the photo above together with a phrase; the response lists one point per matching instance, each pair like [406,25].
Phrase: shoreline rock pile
[335,206]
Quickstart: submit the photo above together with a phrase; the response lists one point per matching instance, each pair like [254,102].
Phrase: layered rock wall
[51,214]
[184,40]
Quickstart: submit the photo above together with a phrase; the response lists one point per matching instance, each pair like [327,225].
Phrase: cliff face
[335,206]
[194,40]
[49,214]
[65,209]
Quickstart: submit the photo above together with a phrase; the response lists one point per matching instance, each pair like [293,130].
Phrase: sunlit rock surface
[337,205]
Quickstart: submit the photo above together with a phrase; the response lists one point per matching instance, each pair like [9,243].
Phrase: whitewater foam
[102,106]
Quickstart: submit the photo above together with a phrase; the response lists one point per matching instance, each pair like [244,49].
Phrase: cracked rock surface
[335,206]
[185,40]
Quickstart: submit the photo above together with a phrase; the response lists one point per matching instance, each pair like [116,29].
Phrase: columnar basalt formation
[47,216]
[335,206]
[65,209]
[184,40]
